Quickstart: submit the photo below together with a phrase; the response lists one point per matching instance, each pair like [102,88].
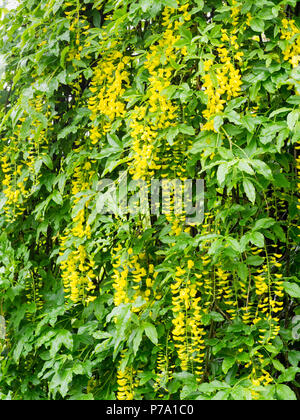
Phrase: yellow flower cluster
[224,83]
[13,188]
[291,33]
[79,25]
[270,292]
[174,159]
[188,331]
[78,274]
[125,381]
[143,278]
[215,287]
[197,348]
[260,377]
[228,84]
[235,12]
[133,277]
[207,278]
[225,287]
[181,304]
[144,137]
[159,113]
[111,78]
[16,175]
[37,142]
[164,373]
[120,277]
[269,288]
[173,216]
[172,165]
[249,19]
[169,12]
[81,181]
[78,270]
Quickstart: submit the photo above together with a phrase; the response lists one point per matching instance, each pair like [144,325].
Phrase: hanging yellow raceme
[21,178]
[110,81]
[125,381]
[188,332]
[291,33]
[159,112]
[78,270]
[227,84]
[133,277]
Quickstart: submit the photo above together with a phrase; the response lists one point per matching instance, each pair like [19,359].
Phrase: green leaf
[60,382]
[257,25]
[249,190]
[294,100]
[227,364]
[285,393]
[145,5]
[172,134]
[63,338]
[245,167]
[234,243]
[101,201]
[151,333]
[171,3]
[222,173]
[66,131]
[240,393]
[288,375]
[188,391]
[292,119]
[138,339]
[235,103]
[186,129]
[294,357]
[292,289]
[243,271]
[255,260]
[209,388]
[218,122]
[57,198]
[200,4]
[57,5]
[278,366]
[257,239]
[262,168]
[216,316]
[63,56]
[47,161]
[279,232]
[264,223]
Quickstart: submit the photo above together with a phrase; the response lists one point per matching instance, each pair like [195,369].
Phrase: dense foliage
[139,306]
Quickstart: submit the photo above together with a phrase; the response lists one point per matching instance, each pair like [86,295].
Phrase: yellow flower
[191,264]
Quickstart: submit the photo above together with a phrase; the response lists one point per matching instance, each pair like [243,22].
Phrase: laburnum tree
[117,305]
